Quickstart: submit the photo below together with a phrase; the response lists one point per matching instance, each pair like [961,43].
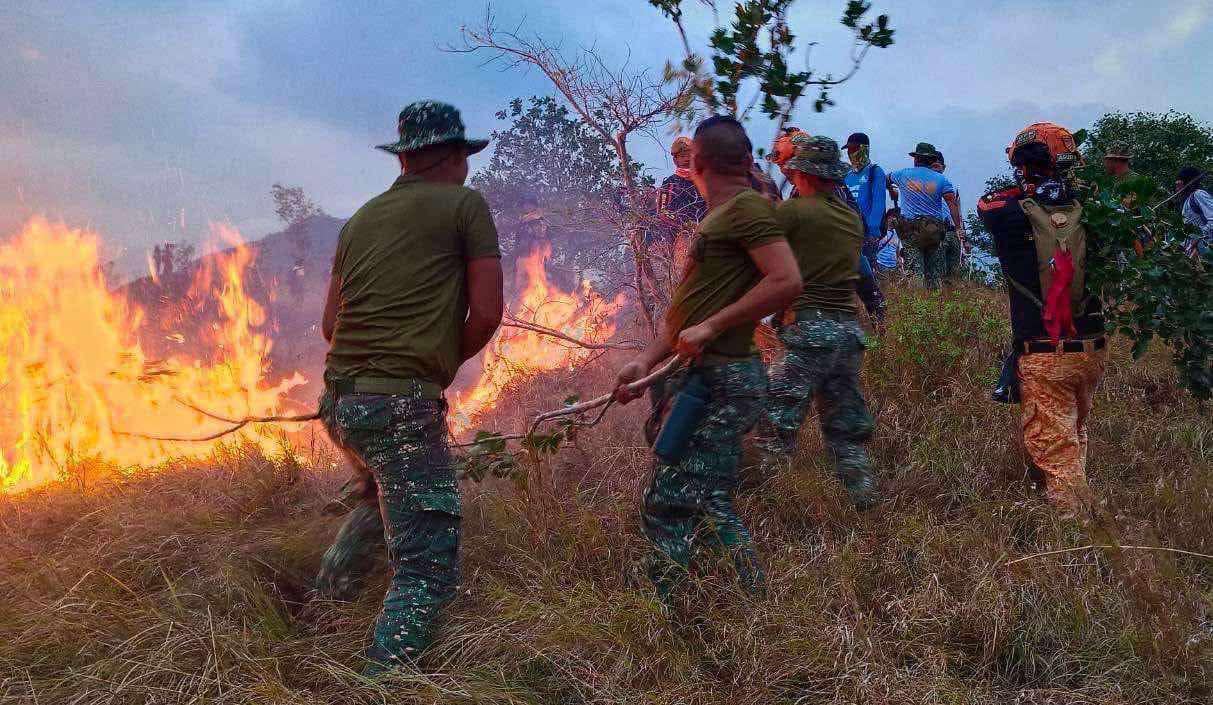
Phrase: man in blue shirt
[866,182]
[922,193]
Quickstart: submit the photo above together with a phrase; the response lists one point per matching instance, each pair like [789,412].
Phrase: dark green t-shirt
[826,236]
[721,271]
[400,267]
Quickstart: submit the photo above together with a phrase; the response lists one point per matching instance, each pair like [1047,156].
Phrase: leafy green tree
[980,241]
[570,171]
[547,154]
[1155,291]
[1161,143]
[757,48]
[293,205]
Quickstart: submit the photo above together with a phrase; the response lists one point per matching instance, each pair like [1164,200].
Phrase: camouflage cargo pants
[402,440]
[926,267]
[824,357]
[1058,393]
[952,257]
[689,505]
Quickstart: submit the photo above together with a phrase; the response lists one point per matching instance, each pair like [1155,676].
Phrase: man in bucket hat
[921,194]
[1118,162]
[415,292]
[823,338]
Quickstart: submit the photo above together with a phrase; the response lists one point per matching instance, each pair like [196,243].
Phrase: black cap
[1190,175]
[858,138]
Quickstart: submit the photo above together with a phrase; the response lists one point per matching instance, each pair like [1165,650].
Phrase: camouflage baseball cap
[430,122]
[817,156]
[924,149]
[1118,150]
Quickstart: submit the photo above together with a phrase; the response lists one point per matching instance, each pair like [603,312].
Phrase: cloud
[123,115]
[1188,19]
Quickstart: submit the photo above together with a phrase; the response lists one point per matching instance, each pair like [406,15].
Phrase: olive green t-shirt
[400,269]
[721,271]
[826,236]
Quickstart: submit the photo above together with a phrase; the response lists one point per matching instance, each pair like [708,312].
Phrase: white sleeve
[1205,201]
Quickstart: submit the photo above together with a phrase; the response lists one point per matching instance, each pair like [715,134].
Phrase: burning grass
[191,584]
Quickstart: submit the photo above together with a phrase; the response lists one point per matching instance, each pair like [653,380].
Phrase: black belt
[420,389]
[1064,346]
[803,315]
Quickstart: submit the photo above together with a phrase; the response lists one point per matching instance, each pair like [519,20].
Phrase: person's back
[822,339]
[1196,207]
[826,236]
[887,257]
[921,191]
[416,289]
[400,264]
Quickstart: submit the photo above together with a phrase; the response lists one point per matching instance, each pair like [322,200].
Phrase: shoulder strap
[1025,291]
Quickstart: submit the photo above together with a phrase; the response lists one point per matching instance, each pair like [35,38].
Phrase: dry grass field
[191,583]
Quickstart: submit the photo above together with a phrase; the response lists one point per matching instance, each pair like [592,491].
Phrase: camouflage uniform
[952,256]
[824,356]
[402,439]
[928,268]
[689,506]
[354,552]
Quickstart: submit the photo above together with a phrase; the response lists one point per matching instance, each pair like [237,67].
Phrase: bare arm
[328,322]
[954,208]
[779,286]
[484,282]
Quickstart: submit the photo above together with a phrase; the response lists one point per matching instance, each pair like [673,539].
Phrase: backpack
[1061,257]
[923,232]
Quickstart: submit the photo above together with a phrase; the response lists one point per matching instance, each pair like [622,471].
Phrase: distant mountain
[288,276]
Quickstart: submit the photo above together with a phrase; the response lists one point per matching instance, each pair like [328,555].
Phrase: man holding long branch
[741,270]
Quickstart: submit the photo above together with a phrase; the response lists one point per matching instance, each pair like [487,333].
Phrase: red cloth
[1058,315]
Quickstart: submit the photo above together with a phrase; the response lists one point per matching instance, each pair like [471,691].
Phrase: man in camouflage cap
[1118,162]
[415,292]
[823,339]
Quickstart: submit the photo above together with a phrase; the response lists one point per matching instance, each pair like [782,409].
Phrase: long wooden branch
[1091,546]
[512,322]
[603,402]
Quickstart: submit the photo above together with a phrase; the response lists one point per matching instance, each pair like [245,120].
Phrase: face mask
[859,158]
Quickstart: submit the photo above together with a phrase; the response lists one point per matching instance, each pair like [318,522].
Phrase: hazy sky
[148,120]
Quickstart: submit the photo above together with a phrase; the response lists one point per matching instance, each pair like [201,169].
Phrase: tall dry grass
[190,584]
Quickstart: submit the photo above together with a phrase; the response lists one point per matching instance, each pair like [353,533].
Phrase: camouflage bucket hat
[1118,150]
[924,149]
[817,156]
[427,123]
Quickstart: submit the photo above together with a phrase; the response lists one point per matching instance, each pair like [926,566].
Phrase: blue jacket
[868,187]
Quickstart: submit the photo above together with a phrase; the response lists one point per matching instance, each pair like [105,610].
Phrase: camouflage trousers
[926,267]
[1058,392]
[952,256]
[401,439]
[824,357]
[689,505]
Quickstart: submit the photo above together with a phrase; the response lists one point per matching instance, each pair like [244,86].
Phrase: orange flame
[75,382]
[516,354]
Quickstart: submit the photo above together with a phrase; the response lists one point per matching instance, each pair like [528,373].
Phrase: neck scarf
[859,159]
